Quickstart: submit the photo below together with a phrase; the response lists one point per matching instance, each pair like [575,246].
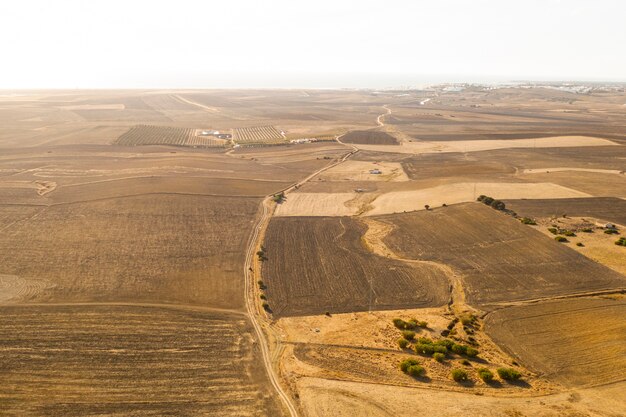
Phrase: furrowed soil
[125,360]
[500,259]
[371,137]
[586,338]
[318,265]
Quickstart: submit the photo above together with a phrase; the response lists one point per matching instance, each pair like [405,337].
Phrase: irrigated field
[369,137]
[163,135]
[603,208]
[257,135]
[126,360]
[500,259]
[576,342]
[318,265]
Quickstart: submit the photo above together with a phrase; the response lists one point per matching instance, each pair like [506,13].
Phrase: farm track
[259,322]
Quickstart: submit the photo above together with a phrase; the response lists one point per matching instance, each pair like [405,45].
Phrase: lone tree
[426,206]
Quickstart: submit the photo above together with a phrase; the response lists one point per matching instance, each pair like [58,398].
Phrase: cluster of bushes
[409,325]
[426,346]
[621,241]
[489,201]
[412,367]
[459,375]
[611,232]
[527,220]
[264,304]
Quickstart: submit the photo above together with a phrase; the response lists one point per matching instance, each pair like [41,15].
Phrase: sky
[312,44]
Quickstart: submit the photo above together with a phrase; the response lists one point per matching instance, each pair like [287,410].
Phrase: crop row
[267,134]
[164,135]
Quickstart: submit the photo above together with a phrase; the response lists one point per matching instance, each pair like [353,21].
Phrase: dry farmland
[320,264]
[500,259]
[586,338]
[258,135]
[369,137]
[124,360]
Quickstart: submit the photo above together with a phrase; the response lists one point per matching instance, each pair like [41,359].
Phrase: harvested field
[593,183]
[604,208]
[500,259]
[162,135]
[361,171]
[586,338]
[320,264]
[125,360]
[484,145]
[258,134]
[111,249]
[399,201]
[316,204]
[369,137]
[329,397]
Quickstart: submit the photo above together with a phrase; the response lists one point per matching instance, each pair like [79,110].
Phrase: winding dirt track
[255,314]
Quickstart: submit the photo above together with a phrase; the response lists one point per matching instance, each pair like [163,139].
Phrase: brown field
[500,259]
[125,360]
[122,267]
[586,338]
[369,137]
[348,279]
[609,209]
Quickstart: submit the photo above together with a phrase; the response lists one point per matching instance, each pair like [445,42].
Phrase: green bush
[569,233]
[481,197]
[440,349]
[425,340]
[422,324]
[405,364]
[553,230]
[509,374]
[498,205]
[487,200]
[560,239]
[444,342]
[588,230]
[471,352]
[621,241]
[485,374]
[424,349]
[439,357]
[459,375]
[527,220]
[403,343]
[579,244]
[415,370]
[262,297]
[408,334]
[459,349]
[611,232]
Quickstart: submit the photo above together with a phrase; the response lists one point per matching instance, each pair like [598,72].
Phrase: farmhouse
[605,225]
[375,171]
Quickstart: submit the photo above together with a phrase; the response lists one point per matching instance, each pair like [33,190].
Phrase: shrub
[422,324]
[444,342]
[498,205]
[262,297]
[621,241]
[611,231]
[399,323]
[459,349]
[439,357]
[416,370]
[553,230]
[424,349]
[471,352]
[560,239]
[487,200]
[587,230]
[404,365]
[440,349]
[485,374]
[266,306]
[261,285]
[466,362]
[408,334]
[481,197]
[527,220]
[569,233]
[509,374]
[425,340]
[403,343]
[579,244]
[459,375]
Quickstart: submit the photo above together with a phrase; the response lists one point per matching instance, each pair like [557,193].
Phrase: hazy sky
[317,43]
